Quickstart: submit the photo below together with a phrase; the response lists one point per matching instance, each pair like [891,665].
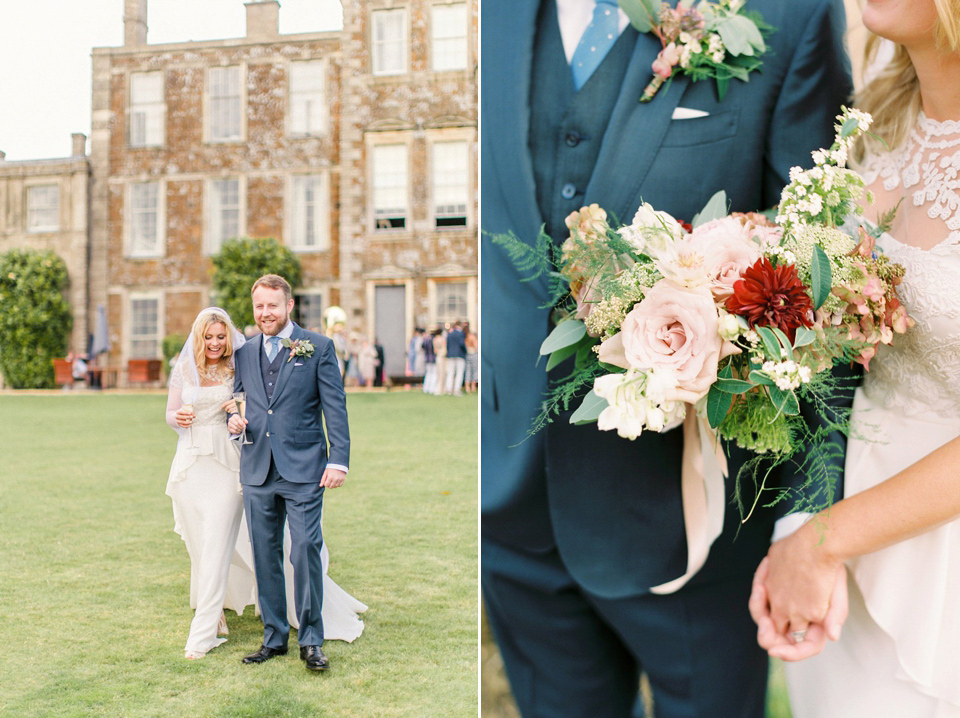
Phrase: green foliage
[36,320]
[240,263]
[172,344]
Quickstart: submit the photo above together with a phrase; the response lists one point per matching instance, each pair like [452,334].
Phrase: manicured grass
[94,582]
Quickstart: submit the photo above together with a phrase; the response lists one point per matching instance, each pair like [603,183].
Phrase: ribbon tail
[702,485]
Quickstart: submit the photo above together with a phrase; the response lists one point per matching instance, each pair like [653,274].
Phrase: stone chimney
[263,19]
[79,144]
[134,23]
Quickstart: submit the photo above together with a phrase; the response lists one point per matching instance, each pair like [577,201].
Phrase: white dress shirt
[573,17]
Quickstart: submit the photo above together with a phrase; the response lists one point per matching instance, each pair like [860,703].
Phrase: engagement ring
[798,636]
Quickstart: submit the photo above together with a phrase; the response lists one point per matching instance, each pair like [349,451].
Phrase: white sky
[45,66]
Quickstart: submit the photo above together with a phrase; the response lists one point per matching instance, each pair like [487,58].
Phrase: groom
[578,524]
[292,384]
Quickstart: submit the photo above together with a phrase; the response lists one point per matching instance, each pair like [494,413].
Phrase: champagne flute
[189,407]
[240,398]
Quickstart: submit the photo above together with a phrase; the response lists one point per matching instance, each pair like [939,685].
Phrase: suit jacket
[289,427]
[612,507]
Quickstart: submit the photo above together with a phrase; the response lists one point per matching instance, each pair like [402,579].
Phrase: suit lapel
[506,87]
[253,383]
[285,366]
[633,134]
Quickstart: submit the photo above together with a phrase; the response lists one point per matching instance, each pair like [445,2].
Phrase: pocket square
[687,113]
[299,363]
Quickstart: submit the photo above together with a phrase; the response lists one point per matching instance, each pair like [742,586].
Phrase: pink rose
[728,249]
[673,328]
[667,58]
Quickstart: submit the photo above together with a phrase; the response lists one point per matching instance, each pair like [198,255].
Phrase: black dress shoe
[265,653]
[314,657]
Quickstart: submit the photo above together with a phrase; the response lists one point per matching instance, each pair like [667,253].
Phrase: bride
[897,530]
[205,488]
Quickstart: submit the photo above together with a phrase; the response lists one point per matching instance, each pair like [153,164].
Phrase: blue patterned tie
[595,42]
[272,347]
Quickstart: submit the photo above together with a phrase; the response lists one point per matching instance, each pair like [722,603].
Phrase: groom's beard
[278,325]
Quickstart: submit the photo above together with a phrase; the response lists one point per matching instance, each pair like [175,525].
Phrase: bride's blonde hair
[200,326]
[893,96]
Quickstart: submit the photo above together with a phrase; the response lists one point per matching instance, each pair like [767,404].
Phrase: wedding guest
[440,352]
[472,373]
[583,533]
[893,543]
[456,360]
[366,363]
[429,362]
[378,374]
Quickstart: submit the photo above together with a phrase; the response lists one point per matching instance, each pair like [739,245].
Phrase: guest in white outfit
[893,543]
[204,484]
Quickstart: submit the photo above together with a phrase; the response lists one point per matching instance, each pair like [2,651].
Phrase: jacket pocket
[702,130]
[307,436]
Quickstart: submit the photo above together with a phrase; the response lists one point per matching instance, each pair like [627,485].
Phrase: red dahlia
[771,296]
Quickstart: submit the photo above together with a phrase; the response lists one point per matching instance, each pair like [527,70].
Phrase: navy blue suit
[287,403]
[577,524]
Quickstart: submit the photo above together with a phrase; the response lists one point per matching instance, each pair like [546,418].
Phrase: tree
[36,320]
[240,263]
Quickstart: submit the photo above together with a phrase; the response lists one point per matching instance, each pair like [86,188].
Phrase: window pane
[306,97]
[146,109]
[223,218]
[310,310]
[224,103]
[449,37]
[389,43]
[144,328]
[43,208]
[451,301]
[143,218]
[307,212]
[450,188]
[390,186]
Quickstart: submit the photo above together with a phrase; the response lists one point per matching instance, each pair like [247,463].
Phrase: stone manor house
[357,149]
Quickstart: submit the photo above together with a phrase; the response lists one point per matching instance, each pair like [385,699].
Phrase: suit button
[269,411]
[568,191]
[572,139]
[268,434]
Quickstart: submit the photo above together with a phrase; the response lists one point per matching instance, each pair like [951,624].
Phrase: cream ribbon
[702,486]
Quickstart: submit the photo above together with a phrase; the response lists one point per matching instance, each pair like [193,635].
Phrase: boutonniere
[298,348]
[702,40]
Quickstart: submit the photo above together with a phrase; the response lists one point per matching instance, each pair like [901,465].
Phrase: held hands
[230,406]
[798,589]
[332,478]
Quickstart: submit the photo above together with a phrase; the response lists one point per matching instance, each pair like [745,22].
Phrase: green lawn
[94,582]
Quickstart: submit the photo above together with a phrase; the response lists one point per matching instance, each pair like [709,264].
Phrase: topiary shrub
[36,320]
[240,263]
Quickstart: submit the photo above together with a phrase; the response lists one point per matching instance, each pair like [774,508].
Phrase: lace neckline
[937,128]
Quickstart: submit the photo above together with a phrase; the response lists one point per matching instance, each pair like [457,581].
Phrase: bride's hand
[230,406]
[183,418]
[801,577]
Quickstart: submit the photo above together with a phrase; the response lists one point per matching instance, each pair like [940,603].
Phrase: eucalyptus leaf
[785,401]
[718,404]
[770,343]
[560,354]
[849,127]
[732,386]
[784,341]
[760,378]
[643,14]
[735,39]
[589,409]
[715,208]
[820,276]
[804,337]
[567,332]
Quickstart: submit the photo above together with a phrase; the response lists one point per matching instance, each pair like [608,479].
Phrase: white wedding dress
[899,653]
[205,488]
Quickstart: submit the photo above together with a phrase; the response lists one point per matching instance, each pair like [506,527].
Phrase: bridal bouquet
[735,316]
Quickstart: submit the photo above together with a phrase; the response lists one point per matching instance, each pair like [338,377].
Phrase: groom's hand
[332,478]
